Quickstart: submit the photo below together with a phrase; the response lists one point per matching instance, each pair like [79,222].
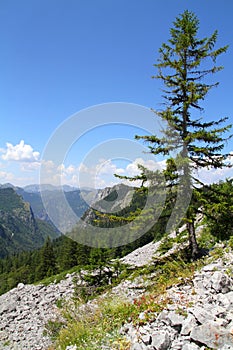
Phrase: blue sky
[59,57]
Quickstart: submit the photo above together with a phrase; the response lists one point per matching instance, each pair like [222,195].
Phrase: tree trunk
[192,240]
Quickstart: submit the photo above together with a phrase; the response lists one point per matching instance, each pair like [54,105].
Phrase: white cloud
[83,168]
[71,169]
[6,176]
[48,165]
[98,175]
[101,174]
[20,153]
[212,175]
[208,176]
[17,180]
[95,176]
[30,166]
[132,168]
[107,167]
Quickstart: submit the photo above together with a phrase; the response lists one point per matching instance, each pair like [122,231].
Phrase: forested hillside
[19,229]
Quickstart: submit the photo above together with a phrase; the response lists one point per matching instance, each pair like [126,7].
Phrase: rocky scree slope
[197,313]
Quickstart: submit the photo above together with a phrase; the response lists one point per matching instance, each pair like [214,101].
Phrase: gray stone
[221,282]
[222,322]
[146,339]
[163,317]
[201,314]
[229,296]
[230,324]
[212,267]
[171,307]
[223,300]
[178,343]
[161,340]
[190,346]
[138,346]
[8,307]
[215,310]
[24,312]
[20,286]
[199,286]
[188,324]
[71,347]
[211,335]
[175,319]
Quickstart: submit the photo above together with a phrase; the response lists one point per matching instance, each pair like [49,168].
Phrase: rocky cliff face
[113,199]
[108,200]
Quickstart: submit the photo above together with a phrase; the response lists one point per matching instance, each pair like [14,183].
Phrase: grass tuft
[98,323]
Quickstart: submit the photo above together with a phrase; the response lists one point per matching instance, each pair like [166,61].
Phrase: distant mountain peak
[36,188]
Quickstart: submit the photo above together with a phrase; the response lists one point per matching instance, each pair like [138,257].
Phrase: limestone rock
[161,340]
[221,282]
[188,324]
[175,319]
[201,315]
[191,346]
[211,335]
[138,346]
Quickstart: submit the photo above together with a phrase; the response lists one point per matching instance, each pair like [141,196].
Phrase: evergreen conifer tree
[47,266]
[69,254]
[184,63]
[217,202]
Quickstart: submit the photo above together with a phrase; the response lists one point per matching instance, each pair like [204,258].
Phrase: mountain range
[25,223]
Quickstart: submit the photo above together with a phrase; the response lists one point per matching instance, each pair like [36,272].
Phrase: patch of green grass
[53,279]
[181,312]
[89,327]
[181,237]
[216,253]
[53,328]
[60,303]
[229,272]
[7,343]
[206,240]
[172,270]
[166,244]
